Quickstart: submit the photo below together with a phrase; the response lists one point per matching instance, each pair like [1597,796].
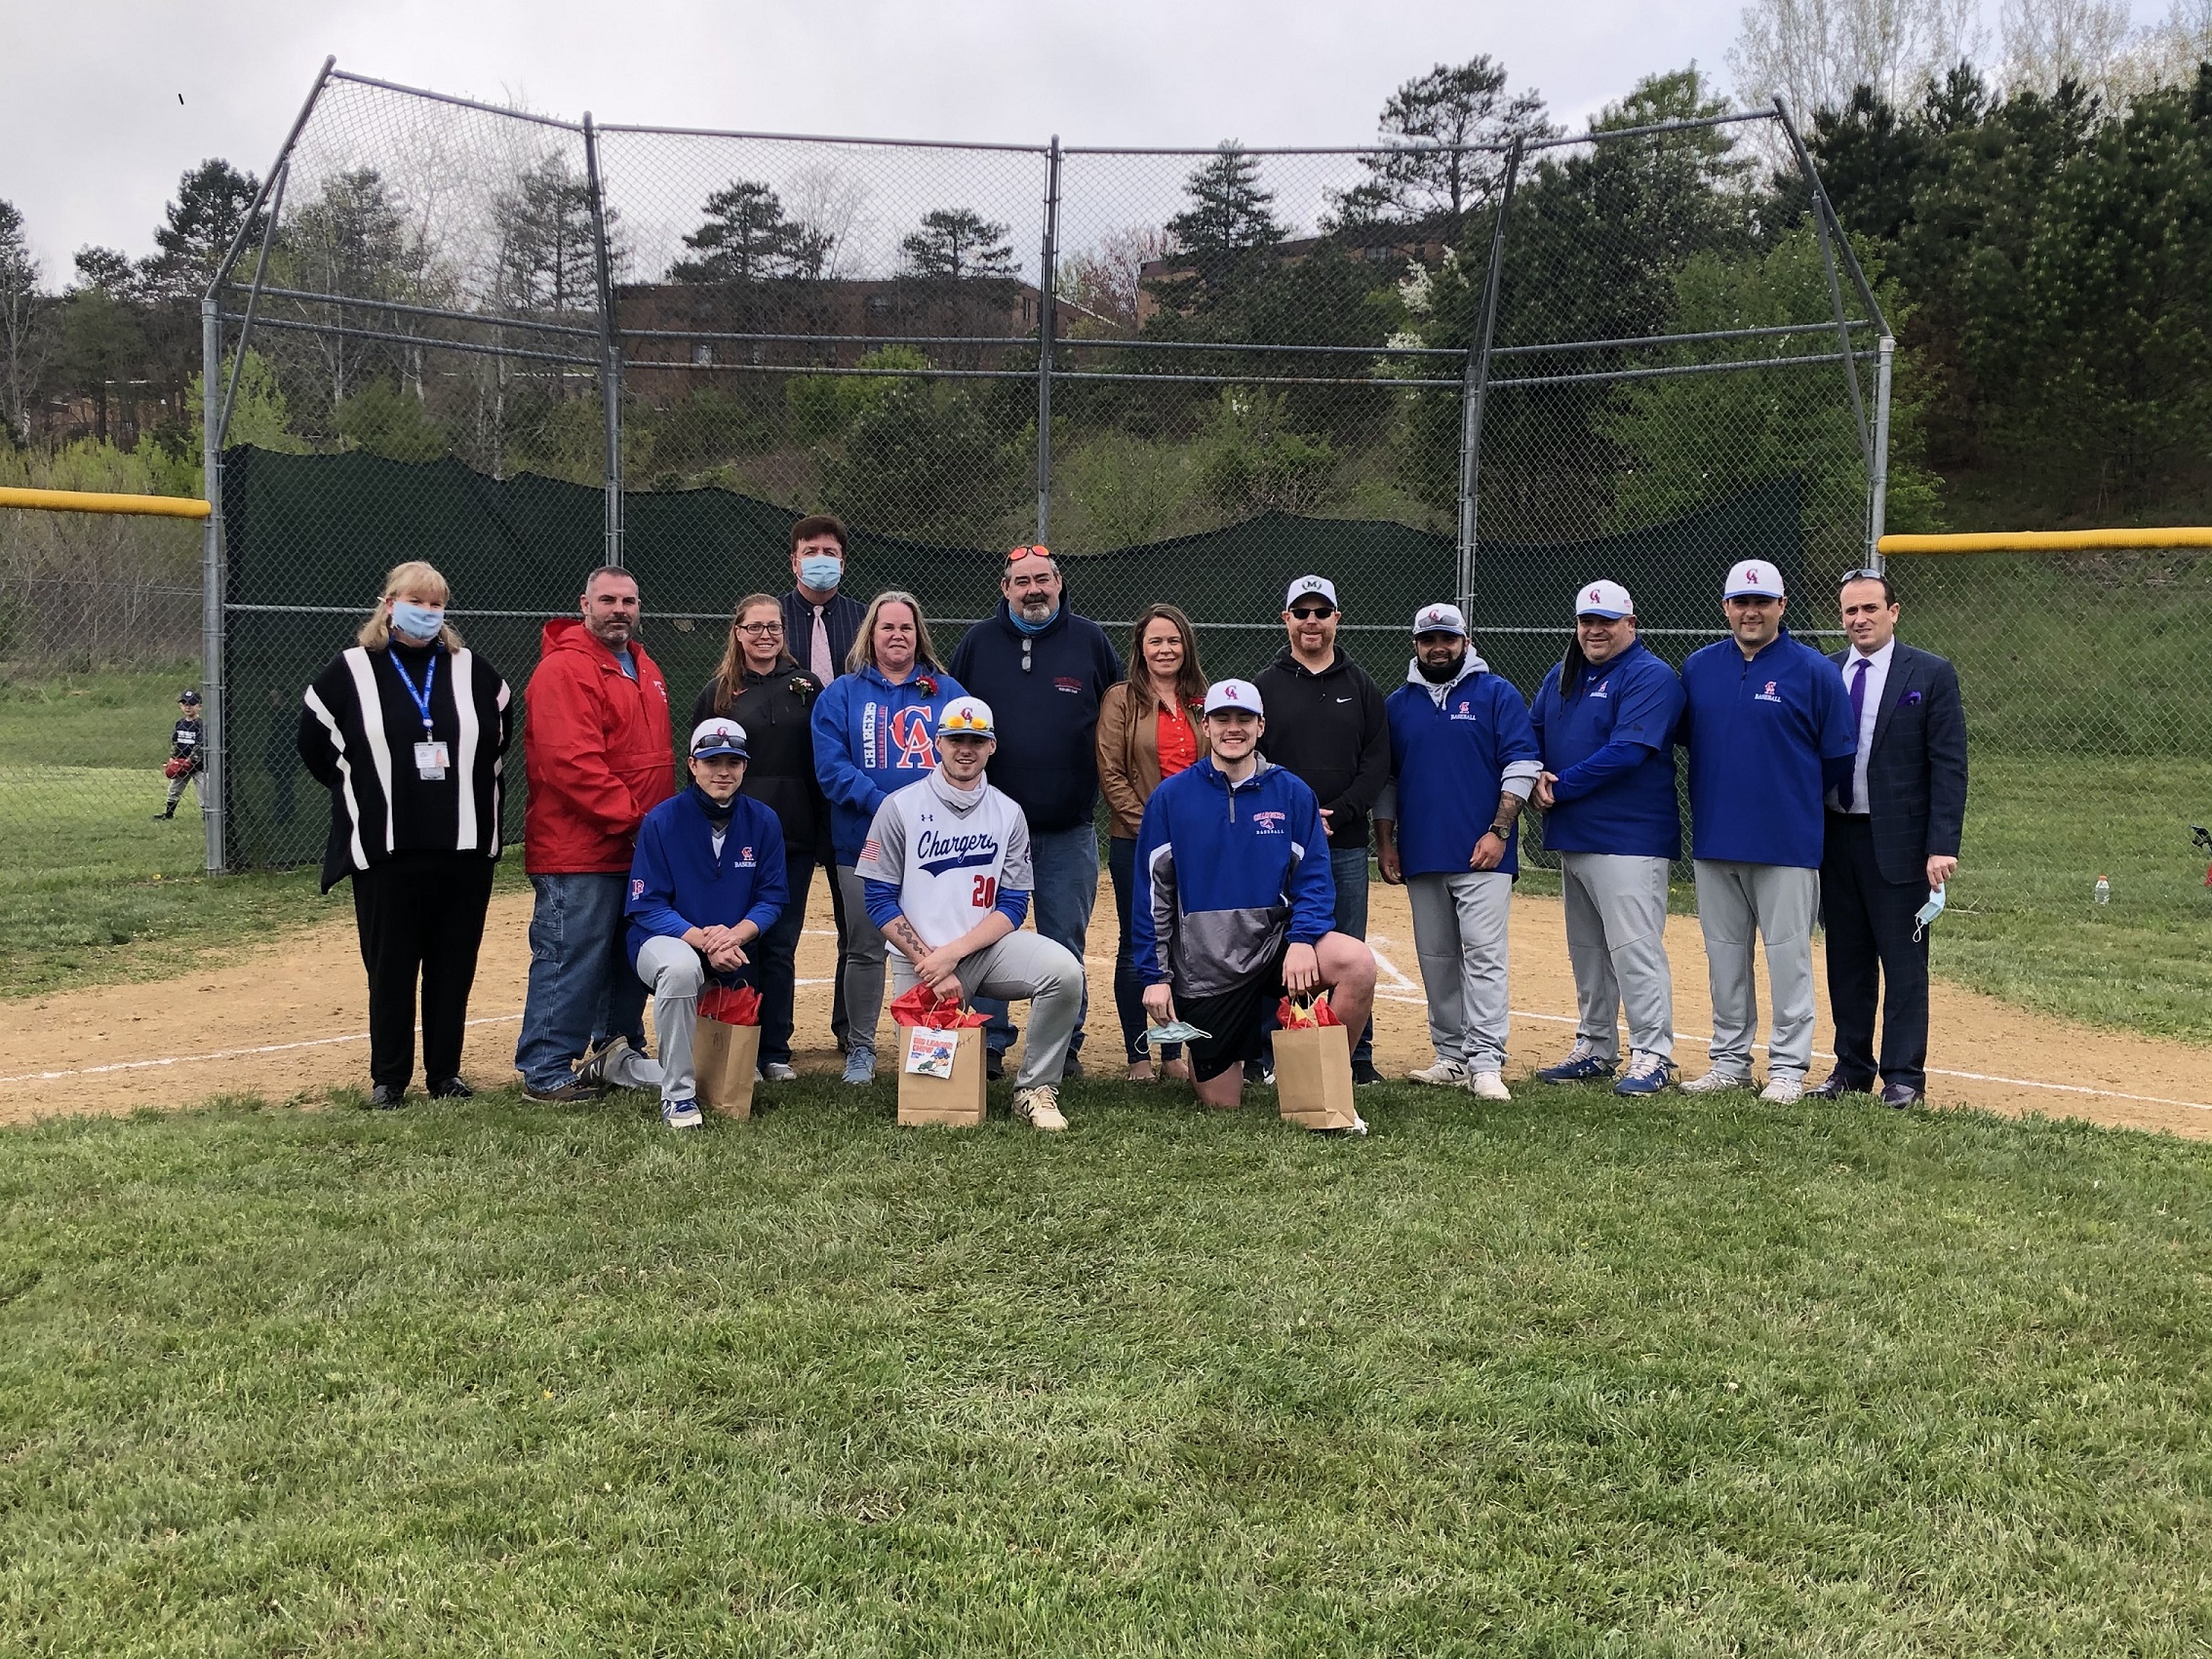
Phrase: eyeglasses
[761,630]
[1314,613]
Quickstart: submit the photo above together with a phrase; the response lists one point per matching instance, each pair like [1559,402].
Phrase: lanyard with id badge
[430,757]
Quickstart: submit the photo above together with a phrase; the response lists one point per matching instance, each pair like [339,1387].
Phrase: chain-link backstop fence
[520,347]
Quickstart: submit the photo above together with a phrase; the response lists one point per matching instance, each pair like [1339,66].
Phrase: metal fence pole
[1047,281]
[214,778]
[1877,479]
[610,358]
[1822,215]
[1475,386]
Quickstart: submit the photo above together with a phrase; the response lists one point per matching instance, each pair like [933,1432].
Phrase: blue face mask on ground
[419,624]
[822,572]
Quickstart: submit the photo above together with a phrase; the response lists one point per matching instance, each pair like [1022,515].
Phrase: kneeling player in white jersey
[947,878]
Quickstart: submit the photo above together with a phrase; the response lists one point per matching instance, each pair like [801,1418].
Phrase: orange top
[1178,743]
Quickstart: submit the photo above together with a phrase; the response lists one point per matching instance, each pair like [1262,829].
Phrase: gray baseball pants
[1020,965]
[1459,936]
[1738,905]
[1616,939]
[674,971]
[863,962]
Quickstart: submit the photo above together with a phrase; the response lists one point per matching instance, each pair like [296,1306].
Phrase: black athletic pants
[1871,955]
[420,914]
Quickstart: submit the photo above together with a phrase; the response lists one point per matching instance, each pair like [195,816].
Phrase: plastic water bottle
[2104,890]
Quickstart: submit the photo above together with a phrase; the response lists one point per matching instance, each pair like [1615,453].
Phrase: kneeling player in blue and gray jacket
[706,881]
[1233,904]
[1463,760]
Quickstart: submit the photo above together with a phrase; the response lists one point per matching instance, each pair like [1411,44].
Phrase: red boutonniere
[804,685]
[926,686]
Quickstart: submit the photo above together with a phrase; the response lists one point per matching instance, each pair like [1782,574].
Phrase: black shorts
[1237,1018]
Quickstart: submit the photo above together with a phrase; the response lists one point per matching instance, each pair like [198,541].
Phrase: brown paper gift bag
[723,1059]
[1313,1077]
[955,1100]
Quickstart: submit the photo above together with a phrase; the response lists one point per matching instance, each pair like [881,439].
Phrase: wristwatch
[1504,832]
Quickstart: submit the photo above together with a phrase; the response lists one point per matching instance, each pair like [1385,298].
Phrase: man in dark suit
[1893,832]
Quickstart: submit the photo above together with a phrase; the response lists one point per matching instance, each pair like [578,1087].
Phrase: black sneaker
[388,1097]
[1364,1073]
[994,1065]
[163,817]
[566,1093]
[453,1088]
[1073,1068]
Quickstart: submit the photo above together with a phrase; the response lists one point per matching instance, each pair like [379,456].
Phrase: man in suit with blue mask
[820,621]
[1893,829]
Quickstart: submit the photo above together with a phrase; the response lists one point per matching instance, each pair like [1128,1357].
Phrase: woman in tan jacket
[1148,728]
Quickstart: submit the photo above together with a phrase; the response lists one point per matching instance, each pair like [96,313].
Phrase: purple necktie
[1844,793]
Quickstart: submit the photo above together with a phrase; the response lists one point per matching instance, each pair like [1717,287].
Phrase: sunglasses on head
[1313,612]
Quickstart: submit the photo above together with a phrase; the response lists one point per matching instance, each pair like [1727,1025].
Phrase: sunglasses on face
[1314,613]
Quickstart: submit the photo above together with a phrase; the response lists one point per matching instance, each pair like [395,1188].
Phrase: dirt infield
[287,1023]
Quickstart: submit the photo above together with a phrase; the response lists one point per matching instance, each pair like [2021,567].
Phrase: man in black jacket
[1045,669]
[820,622]
[1892,841]
[1327,727]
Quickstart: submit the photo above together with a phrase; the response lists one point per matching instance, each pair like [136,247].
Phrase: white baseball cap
[1237,694]
[969,715]
[720,735]
[1753,576]
[1311,584]
[1438,619]
[1608,600]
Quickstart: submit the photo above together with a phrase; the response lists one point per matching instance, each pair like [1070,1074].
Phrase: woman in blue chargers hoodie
[875,732]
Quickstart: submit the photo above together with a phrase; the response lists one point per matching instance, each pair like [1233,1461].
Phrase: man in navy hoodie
[1045,669]
[1769,732]
[1233,904]
[706,882]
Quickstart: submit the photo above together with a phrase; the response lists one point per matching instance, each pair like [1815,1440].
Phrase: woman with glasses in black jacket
[762,687]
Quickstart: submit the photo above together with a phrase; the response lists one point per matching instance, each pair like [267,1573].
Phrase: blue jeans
[581,983]
[1348,868]
[1067,888]
[777,960]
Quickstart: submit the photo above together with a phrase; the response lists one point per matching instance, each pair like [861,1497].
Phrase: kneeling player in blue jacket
[1233,904]
[707,880]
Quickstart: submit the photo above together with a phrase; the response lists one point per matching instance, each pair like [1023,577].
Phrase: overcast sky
[96,137]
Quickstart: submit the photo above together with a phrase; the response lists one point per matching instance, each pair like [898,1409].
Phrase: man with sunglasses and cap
[1463,761]
[947,875]
[706,881]
[1330,731]
[1046,670]
[1234,904]
[1606,720]
[1768,731]
[1893,830]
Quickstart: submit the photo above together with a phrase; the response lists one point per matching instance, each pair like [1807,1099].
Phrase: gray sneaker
[775,1070]
[860,1064]
[600,1061]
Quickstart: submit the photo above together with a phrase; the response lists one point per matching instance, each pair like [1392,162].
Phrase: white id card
[430,761]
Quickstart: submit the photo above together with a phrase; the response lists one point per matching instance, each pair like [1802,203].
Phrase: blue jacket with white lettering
[872,737]
[1225,874]
[678,884]
[1453,749]
[1767,738]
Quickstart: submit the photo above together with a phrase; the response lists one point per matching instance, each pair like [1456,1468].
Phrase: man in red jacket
[597,753]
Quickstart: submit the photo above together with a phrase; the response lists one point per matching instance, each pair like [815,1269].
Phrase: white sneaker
[1783,1090]
[1489,1085]
[1444,1074]
[1712,1083]
[1041,1107]
[775,1070]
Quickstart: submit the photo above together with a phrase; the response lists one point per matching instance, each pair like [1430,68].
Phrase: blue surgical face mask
[418,623]
[1927,913]
[822,572]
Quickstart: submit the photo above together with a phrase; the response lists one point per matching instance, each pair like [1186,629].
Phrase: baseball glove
[177,769]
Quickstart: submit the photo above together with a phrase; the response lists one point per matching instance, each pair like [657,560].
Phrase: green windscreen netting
[310,538]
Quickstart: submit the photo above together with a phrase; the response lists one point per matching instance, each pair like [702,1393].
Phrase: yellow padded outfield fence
[100,501]
[2051,540]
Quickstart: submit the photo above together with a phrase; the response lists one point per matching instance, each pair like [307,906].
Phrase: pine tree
[958,244]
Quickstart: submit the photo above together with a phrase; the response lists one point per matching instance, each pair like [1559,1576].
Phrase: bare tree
[25,339]
[1104,279]
[2049,41]
[1811,54]
[2167,52]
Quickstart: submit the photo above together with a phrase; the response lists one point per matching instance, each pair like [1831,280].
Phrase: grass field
[1560,1377]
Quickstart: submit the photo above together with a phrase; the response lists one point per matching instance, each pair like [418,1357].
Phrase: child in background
[185,761]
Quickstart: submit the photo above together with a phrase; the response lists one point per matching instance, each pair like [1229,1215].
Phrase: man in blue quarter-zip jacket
[706,881]
[1606,720]
[1463,759]
[1769,732]
[1234,904]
